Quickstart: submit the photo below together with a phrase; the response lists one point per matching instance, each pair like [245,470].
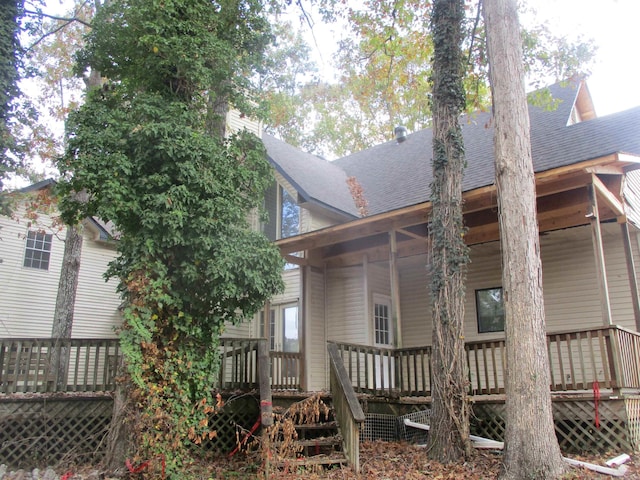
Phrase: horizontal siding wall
[572,297]
[97,304]
[316,332]
[346,305]
[28,297]
[415,302]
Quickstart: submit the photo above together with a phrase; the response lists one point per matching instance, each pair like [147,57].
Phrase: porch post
[302,321]
[601,271]
[631,269]
[395,287]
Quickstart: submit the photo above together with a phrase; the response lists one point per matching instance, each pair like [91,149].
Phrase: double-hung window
[37,253]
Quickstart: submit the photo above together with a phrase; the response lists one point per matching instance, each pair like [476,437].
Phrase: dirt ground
[386,460]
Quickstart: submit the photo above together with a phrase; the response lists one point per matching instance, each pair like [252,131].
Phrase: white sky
[614,25]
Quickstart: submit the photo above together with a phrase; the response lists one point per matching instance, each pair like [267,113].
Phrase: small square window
[38,250]
[490,310]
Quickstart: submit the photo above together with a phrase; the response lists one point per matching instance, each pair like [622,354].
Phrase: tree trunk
[120,437]
[65,302]
[217,110]
[449,434]
[531,447]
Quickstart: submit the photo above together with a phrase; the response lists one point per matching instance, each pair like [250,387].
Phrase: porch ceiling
[562,201]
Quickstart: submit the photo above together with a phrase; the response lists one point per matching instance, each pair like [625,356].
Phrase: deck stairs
[307,435]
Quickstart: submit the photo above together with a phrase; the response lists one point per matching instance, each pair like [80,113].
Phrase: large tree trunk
[531,447]
[449,434]
[65,302]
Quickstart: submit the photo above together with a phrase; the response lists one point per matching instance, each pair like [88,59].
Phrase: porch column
[631,269]
[601,271]
[395,287]
[303,314]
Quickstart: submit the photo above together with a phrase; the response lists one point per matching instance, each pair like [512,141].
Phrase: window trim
[31,252]
[381,299]
[477,299]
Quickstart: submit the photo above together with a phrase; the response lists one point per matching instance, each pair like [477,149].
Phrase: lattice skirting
[232,423]
[632,404]
[47,431]
[575,424]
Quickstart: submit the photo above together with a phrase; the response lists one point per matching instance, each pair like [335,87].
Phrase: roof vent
[401,133]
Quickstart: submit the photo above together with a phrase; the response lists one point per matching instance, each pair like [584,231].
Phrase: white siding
[415,302]
[345,306]
[316,332]
[571,294]
[28,297]
[236,123]
[96,312]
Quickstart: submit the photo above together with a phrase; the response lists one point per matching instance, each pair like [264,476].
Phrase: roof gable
[317,181]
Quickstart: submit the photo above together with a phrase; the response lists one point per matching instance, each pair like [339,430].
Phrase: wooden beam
[605,194]
[394,278]
[598,250]
[382,223]
[606,169]
[296,260]
[411,234]
[631,271]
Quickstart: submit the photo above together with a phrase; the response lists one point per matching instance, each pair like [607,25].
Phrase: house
[354,233]
[363,280]
[32,247]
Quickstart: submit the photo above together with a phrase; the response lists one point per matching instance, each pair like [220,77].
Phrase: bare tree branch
[55,17]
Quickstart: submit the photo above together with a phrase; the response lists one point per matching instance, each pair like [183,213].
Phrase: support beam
[598,250]
[631,270]
[395,287]
[607,196]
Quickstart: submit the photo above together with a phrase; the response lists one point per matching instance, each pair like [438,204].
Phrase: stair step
[318,426]
[321,441]
[324,460]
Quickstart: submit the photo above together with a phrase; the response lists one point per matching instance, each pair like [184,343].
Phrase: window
[284,330]
[38,250]
[283,212]
[382,320]
[289,215]
[272,328]
[490,310]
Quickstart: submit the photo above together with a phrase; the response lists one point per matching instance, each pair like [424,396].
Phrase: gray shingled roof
[395,175]
[315,179]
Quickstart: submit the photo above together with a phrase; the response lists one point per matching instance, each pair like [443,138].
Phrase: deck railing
[239,366]
[349,414]
[577,359]
[31,365]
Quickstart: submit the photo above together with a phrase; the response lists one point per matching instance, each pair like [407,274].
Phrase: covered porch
[373,271]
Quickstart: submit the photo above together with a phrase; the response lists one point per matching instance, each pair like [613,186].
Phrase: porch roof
[562,202]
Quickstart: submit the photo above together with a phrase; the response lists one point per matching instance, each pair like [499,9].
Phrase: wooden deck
[595,378]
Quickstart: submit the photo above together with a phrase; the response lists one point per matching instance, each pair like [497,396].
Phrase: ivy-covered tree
[146,149]
[10,11]
[449,434]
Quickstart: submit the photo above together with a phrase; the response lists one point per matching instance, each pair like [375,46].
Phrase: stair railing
[348,411]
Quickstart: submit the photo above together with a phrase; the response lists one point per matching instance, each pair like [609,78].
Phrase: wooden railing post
[614,353]
[348,411]
[266,407]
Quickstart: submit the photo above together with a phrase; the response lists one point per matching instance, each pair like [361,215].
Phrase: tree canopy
[384,64]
